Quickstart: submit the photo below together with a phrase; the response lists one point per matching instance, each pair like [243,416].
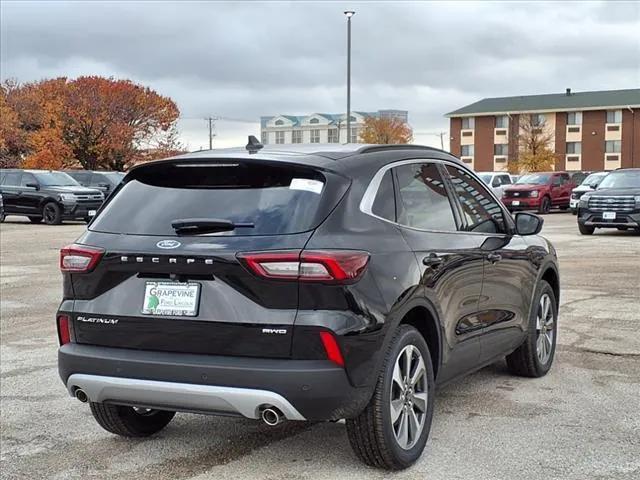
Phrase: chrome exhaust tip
[272,416]
[81,395]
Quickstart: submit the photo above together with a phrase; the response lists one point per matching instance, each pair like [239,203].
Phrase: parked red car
[539,191]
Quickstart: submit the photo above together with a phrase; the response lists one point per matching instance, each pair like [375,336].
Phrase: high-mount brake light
[79,258]
[324,266]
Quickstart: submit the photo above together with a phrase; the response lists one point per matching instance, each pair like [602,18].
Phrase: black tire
[52,214]
[585,230]
[2,217]
[623,229]
[128,421]
[564,208]
[526,360]
[372,433]
[35,219]
[545,205]
[574,211]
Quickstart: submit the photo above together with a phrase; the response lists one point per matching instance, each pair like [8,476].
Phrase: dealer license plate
[515,202]
[91,213]
[171,299]
[609,215]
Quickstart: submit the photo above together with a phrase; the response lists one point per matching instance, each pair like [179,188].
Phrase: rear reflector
[64,335]
[79,258]
[325,266]
[331,348]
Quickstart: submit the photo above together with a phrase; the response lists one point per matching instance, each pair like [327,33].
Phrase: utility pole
[211,120]
[349,14]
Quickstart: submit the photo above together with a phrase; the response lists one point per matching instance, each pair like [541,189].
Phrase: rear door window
[12,179]
[262,199]
[384,204]
[422,198]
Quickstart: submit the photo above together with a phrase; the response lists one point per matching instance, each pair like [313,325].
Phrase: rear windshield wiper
[202,225]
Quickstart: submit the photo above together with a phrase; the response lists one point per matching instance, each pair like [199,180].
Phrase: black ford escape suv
[614,204]
[315,283]
[47,195]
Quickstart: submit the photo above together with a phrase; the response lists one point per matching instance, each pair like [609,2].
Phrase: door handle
[494,257]
[432,260]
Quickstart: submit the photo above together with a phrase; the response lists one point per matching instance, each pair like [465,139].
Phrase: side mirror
[33,185]
[528,223]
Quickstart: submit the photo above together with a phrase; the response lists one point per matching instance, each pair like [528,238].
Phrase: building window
[264,137]
[613,146]
[353,119]
[574,148]
[279,123]
[314,120]
[467,151]
[537,119]
[614,116]
[354,135]
[315,136]
[468,123]
[502,121]
[501,149]
[333,135]
[279,138]
[574,118]
[296,136]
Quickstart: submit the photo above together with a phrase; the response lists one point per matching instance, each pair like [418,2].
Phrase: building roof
[552,102]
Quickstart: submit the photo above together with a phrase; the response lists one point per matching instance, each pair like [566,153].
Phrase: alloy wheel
[544,329]
[49,213]
[408,397]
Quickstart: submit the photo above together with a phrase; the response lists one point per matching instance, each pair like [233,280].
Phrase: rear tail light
[325,266]
[331,348]
[79,258]
[64,334]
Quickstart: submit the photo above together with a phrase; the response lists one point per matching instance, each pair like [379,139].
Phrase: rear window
[272,199]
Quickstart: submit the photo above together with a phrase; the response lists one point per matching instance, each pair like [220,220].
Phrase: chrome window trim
[366,204]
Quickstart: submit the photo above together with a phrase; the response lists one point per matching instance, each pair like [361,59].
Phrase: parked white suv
[496,180]
[589,184]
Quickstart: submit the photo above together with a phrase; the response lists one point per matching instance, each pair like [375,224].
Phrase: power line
[211,121]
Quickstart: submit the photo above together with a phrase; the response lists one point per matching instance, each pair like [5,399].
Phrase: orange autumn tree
[93,122]
[387,130]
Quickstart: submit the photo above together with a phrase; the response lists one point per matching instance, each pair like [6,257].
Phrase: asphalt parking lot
[581,421]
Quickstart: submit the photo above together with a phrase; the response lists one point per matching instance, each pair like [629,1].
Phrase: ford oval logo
[167,244]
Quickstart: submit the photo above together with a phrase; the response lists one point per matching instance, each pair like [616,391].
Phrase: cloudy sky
[243,60]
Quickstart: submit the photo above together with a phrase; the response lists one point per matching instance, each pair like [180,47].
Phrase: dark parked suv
[106,182]
[309,283]
[47,195]
[614,204]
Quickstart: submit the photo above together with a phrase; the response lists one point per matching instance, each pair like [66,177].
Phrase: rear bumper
[180,396]
[301,389]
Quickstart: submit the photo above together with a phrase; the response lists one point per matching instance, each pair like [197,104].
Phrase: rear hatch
[170,278]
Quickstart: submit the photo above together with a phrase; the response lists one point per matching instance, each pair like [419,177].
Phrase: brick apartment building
[589,130]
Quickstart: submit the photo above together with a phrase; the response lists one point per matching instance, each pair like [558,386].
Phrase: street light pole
[349,14]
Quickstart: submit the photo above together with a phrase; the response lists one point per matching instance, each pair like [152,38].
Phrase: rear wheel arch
[550,275]
[424,319]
